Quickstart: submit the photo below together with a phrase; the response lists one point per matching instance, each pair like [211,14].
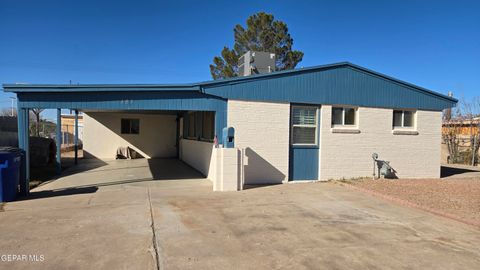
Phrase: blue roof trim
[18,88]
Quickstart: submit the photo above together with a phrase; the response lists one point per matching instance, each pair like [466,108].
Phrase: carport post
[23,143]
[76,137]
[27,150]
[59,140]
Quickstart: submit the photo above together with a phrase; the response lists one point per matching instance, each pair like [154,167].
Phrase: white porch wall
[199,155]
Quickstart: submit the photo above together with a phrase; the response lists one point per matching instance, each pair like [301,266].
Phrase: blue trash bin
[10,162]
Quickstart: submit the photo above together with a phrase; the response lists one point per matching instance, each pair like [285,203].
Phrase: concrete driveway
[182,224]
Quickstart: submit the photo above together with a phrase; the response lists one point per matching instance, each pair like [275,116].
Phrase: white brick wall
[349,155]
[263,129]
[227,168]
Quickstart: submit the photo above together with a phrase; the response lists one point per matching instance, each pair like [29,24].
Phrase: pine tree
[263,33]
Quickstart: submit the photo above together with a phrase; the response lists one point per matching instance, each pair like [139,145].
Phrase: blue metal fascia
[19,88]
[111,101]
[345,85]
[170,100]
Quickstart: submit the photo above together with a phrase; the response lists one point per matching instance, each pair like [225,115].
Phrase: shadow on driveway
[57,193]
[460,170]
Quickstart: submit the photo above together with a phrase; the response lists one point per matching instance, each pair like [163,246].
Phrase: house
[68,130]
[316,123]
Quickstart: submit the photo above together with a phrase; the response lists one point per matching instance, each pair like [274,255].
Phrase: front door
[304,142]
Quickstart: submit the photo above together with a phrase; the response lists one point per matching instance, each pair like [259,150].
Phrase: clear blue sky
[434,44]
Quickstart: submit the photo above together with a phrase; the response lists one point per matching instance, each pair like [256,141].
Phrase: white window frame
[343,117]
[413,127]
[304,125]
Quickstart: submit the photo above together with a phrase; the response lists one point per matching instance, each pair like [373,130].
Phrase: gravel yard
[454,197]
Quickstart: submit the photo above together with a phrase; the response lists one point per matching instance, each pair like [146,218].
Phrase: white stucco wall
[199,155]
[262,128]
[349,155]
[102,135]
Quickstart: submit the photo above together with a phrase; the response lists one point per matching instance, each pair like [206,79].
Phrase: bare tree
[36,113]
[451,132]
[461,130]
[474,113]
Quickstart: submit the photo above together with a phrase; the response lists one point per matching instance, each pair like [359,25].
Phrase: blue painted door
[304,142]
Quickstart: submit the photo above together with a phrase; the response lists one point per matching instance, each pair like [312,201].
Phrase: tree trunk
[37,124]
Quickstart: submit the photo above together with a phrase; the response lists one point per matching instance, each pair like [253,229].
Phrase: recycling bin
[10,164]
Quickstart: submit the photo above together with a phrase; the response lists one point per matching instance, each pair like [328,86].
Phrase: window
[304,125]
[403,119]
[208,125]
[343,116]
[199,125]
[190,126]
[130,126]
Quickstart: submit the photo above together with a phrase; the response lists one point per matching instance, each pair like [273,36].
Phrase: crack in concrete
[154,236]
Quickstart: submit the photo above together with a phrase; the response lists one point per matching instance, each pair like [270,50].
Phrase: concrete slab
[105,229]
[302,226]
[94,172]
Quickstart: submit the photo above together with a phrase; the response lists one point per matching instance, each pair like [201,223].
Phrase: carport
[185,104]
[94,173]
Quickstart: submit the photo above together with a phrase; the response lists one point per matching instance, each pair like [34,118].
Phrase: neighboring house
[463,127]
[68,129]
[323,122]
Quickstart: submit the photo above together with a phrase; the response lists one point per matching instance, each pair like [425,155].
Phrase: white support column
[228,171]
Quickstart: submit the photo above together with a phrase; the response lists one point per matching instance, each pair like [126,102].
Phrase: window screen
[349,116]
[337,116]
[397,118]
[304,125]
[408,119]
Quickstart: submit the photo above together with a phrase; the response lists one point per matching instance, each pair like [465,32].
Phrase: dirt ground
[456,197]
